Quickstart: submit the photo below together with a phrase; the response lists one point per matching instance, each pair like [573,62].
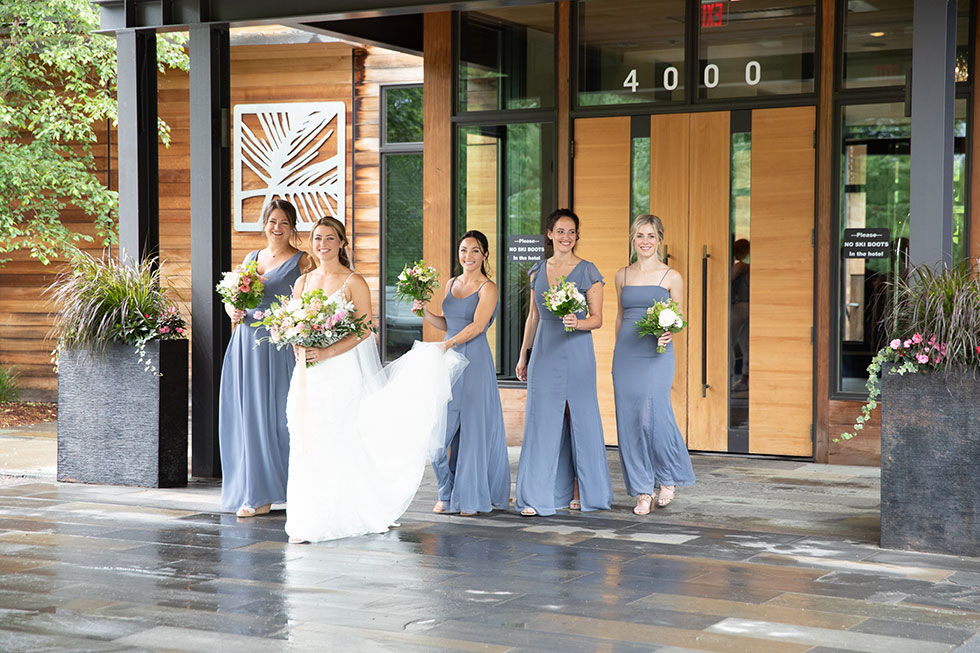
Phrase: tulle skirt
[359,436]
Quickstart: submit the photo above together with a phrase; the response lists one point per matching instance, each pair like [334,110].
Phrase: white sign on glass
[753,75]
[295,151]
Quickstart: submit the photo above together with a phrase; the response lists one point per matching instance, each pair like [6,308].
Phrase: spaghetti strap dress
[562,427]
[252,433]
[472,469]
[651,448]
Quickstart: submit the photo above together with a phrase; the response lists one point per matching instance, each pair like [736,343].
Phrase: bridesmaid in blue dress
[651,447]
[255,377]
[472,469]
[563,457]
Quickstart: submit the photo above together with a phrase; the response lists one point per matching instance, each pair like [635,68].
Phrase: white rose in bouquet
[667,318]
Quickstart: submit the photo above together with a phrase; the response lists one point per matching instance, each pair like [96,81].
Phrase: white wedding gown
[359,436]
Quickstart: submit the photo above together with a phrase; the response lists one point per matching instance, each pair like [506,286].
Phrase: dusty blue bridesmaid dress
[651,447]
[472,470]
[560,447]
[252,412]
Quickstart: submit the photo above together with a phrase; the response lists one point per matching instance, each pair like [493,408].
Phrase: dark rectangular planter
[120,424]
[930,450]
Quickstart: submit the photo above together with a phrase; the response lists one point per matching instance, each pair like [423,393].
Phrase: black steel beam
[139,204]
[210,102]
[933,97]
[164,14]
[401,33]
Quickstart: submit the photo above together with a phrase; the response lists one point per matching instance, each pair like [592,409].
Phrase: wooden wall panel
[602,202]
[709,175]
[781,293]
[437,171]
[259,73]
[670,143]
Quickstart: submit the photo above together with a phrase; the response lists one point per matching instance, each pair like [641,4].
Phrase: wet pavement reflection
[759,556]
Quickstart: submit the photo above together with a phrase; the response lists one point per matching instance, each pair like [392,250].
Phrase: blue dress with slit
[562,427]
[472,470]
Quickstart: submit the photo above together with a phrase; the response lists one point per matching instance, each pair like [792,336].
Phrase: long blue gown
[562,373]
[252,412]
[651,448]
[472,470]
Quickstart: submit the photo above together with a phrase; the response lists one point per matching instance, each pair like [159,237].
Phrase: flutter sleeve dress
[562,427]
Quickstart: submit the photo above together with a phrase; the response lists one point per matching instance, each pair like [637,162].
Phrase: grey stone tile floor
[759,555]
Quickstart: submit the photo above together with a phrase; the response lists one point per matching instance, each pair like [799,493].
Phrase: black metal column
[139,205]
[933,92]
[210,102]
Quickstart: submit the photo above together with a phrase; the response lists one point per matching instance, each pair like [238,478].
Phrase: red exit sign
[714,14]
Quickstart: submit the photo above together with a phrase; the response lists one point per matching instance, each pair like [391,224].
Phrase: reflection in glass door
[739,279]
[504,183]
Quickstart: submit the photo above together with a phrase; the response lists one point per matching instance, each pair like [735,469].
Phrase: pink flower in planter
[907,344]
[922,358]
[895,344]
[164,329]
[179,330]
[917,338]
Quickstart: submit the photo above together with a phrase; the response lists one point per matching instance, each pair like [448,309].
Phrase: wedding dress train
[359,436]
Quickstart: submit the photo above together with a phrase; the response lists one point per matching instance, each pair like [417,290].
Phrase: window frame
[386,150]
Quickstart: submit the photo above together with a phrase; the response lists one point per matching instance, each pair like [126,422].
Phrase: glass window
[403,245]
[403,114]
[756,48]
[401,205]
[878,42]
[630,51]
[874,193]
[505,186]
[507,58]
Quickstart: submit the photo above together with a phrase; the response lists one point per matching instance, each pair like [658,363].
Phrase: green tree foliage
[58,84]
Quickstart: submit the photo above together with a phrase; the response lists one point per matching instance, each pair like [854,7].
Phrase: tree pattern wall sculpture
[294,151]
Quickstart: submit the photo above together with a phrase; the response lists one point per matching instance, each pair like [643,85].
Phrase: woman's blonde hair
[338,227]
[658,227]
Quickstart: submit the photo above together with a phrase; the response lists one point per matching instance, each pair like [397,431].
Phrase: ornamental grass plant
[933,322]
[100,301]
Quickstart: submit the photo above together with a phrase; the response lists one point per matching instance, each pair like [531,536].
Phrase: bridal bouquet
[660,318]
[417,281]
[563,298]
[242,287]
[313,320]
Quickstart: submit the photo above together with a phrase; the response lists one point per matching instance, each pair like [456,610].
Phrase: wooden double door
[735,191]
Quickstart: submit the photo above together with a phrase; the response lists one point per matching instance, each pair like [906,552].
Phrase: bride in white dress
[358,433]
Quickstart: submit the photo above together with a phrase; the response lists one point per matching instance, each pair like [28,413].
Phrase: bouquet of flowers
[242,287]
[563,298]
[313,320]
[417,281]
[660,318]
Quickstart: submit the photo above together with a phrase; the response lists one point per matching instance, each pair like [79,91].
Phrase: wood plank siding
[259,73]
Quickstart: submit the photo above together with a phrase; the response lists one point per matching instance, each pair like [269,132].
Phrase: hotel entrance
[735,191]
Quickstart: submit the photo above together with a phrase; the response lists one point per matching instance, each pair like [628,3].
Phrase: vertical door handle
[704,320]
[666,254]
